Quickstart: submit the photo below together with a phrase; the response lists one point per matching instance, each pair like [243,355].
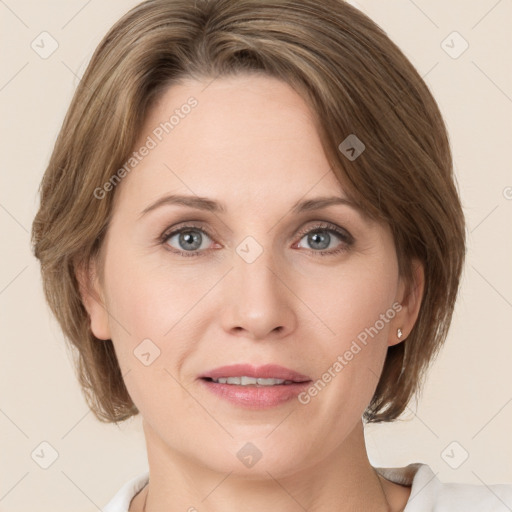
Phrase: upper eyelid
[190,224]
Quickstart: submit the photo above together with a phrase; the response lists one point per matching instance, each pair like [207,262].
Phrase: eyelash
[345,237]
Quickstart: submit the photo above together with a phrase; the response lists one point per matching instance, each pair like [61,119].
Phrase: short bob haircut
[356,82]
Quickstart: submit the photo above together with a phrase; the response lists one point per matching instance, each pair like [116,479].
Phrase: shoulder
[429,493]
[121,500]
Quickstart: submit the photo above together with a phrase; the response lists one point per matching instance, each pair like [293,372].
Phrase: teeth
[250,381]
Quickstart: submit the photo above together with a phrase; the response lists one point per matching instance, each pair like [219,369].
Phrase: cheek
[148,326]
[356,305]
[154,327]
[353,298]
[150,300]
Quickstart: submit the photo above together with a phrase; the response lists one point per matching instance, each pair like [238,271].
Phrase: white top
[428,493]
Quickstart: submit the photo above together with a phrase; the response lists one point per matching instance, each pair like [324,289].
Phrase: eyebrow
[210,205]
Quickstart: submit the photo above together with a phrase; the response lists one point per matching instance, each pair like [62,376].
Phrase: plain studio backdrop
[461,425]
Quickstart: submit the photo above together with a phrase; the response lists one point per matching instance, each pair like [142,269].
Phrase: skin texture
[250,143]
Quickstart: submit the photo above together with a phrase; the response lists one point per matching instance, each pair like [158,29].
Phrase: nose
[257,301]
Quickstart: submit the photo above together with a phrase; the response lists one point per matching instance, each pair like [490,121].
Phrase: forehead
[251,137]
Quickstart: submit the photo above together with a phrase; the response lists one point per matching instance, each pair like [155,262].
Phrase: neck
[343,481]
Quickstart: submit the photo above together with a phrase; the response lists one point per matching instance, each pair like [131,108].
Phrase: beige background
[468,397]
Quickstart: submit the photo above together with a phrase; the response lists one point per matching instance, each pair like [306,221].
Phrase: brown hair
[356,81]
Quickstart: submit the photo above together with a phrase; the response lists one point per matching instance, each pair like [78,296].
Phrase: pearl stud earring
[399,333]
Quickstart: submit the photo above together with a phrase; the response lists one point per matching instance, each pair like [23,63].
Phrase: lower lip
[256,397]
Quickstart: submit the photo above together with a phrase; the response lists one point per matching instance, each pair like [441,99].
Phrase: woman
[250,231]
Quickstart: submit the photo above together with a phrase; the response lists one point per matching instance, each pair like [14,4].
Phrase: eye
[327,239]
[323,239]
[188,240]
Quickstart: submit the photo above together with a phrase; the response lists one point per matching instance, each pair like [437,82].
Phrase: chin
[254,457]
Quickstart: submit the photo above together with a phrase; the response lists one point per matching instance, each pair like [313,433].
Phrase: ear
[92,296]
[409,297]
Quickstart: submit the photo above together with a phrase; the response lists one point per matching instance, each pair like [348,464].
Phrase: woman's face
[254,279]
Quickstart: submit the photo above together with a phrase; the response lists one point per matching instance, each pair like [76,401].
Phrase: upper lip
[267,371]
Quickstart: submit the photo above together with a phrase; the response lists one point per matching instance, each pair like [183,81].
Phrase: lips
[268,371]
[275,386]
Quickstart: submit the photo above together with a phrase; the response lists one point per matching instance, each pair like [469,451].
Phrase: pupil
[190,238]
[315,240]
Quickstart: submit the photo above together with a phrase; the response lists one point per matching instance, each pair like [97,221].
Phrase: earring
[399,333]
